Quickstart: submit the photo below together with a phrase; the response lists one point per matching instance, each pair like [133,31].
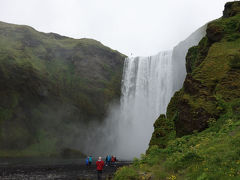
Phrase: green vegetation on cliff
[49,86]
[199,136]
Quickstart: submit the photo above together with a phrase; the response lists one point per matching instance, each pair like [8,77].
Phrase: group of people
[88,161]
[110,161]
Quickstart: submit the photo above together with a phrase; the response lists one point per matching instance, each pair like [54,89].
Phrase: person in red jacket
[113,161]
[100,164]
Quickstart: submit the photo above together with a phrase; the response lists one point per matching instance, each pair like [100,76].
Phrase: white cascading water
[147,87]
[148,84]
[146,92]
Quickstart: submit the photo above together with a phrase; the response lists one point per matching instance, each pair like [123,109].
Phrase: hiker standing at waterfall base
[100,164]
[90,160]
[86,161]
[108,160]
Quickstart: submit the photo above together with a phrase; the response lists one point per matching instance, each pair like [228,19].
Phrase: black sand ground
[73,171]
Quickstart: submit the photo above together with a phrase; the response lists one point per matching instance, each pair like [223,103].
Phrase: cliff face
[165,129]
[212,76]
[49,83]
[179,54]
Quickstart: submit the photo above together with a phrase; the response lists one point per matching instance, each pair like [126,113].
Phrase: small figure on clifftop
[100,164]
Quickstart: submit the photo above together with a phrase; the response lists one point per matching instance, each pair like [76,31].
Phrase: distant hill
[49,84]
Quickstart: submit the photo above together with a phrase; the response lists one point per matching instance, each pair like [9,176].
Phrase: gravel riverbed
[55,170]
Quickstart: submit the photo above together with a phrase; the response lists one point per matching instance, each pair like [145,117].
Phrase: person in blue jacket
[108,160]
[87,161]
[90,160]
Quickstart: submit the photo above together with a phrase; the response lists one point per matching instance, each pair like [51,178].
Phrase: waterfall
[148,83]
[146,92]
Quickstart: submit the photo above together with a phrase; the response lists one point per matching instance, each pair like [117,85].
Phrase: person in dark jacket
[106,160]
[100,164]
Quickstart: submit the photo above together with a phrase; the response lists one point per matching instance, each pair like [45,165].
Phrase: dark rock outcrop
[231,9]
[163,132]
[214,32]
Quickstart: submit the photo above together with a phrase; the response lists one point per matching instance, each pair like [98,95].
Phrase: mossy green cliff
[49,85]
[212,76]
[199,136]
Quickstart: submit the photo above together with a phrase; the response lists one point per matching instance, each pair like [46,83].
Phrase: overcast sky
[141,27]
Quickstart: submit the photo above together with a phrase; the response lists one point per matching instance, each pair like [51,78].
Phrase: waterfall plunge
[146,92]
[147,86]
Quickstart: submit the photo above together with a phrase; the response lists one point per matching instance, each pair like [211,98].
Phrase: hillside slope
[50,86]
[198,138]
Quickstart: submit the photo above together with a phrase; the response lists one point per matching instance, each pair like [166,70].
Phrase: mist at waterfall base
[148,83]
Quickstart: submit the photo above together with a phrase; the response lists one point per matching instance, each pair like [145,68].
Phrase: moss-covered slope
[213,76]
[49,83]
[199,136]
